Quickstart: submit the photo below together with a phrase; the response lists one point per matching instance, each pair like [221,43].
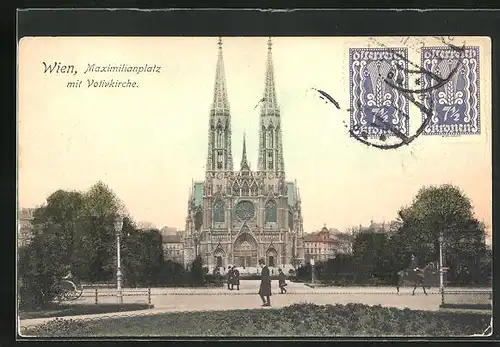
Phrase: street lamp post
[118,228]
[441,270]
[312,271]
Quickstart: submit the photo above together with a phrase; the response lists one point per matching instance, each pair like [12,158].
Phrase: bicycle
[67,290]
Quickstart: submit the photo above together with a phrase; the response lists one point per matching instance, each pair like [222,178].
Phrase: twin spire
[219,156]
[269,102]
[220,103]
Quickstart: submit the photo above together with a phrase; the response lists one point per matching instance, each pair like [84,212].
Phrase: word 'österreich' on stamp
[455,106]
[378,110]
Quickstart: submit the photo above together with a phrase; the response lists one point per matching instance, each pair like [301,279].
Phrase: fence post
[96,296]
[149,296]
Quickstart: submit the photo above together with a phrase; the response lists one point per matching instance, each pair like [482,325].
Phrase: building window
[220,138]
[254,190]
[271,211]
[219,159]
[270,160]
[245,190]
[271,138]
[218,212]
[236,189]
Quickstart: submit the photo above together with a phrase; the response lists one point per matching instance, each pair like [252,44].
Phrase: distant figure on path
[236,278]
[229,278]
[282,281]
[265,284]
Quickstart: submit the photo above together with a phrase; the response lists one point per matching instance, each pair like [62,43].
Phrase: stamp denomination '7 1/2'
[455,110]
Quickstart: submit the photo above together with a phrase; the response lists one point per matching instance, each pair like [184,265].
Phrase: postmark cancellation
[447,88]
[373,102]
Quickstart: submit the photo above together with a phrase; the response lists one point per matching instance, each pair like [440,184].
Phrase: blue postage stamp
[455,105]
[376,108]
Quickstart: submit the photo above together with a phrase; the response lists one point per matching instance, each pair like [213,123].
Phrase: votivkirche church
[236,217]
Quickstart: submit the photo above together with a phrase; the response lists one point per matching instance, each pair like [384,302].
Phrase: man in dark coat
[236,278]
[229,278]
[265,284]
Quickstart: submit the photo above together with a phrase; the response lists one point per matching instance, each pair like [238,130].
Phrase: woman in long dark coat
[265,284]
[236,278]
[230,278]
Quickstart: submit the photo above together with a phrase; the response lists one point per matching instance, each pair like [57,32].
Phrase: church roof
[198,193]
[171,238]
[291,193]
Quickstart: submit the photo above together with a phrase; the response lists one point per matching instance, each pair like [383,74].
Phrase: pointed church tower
[244,162]
[219,156]
[270,142]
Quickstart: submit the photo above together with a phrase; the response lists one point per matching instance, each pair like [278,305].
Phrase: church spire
[269,102]
[220,102]
[244,162]
[219,156]
[270,144]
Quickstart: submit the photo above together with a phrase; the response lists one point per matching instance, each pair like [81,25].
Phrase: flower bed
[294,320]
[79,309]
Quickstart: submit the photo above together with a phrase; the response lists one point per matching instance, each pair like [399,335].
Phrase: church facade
[237,216]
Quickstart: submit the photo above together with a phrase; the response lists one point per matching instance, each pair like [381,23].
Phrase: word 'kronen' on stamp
[455,110]
[372,100]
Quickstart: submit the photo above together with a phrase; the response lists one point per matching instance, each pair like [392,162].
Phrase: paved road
[199,299]
[251,287]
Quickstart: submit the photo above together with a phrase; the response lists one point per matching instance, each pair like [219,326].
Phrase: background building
[319,246]
[237,217]
[173,248]
[327,243]
[24,226]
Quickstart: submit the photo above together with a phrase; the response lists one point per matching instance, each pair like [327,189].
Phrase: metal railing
[467,299]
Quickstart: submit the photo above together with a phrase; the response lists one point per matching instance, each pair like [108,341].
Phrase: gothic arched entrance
[219,256]
[272,256]
[245,251]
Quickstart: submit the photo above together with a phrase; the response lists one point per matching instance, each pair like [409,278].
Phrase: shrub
[197,278]
[295,320]
[38,269]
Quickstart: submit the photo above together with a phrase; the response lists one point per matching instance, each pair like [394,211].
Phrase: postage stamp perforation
[378,110]
[456,111]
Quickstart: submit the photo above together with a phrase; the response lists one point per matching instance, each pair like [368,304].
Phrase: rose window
[245,210]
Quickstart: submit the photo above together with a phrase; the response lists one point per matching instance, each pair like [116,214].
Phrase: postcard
[254,186]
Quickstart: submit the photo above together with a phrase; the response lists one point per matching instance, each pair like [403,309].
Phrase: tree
[343,242]
[40,265]
[48,257]
[143,262]
[197,271]
[370,254]
[444,209]
[80,227]
[97,236]
[145,225]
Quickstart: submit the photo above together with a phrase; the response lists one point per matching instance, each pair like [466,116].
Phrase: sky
[148,143]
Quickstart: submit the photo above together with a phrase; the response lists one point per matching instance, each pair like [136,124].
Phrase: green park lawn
[294,320]
[79,309]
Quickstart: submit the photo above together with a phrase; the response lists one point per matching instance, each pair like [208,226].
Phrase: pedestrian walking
[236,278]
[282,281]
[229,278]
[265,284]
